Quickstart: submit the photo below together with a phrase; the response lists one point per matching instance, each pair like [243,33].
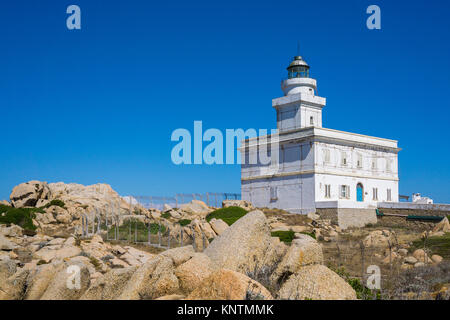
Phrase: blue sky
[99,104]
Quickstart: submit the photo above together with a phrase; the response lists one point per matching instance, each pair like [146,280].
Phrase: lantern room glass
[298,72]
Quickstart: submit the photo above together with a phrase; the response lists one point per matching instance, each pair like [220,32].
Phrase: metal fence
[133,230]
[212,199]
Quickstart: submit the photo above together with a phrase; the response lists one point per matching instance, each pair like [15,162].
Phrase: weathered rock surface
[192,272]
[380,238]
[247,205]
[218,225]
[243,245]
[27,194]
[443,226]
[196,207]
[316,282]
[65,285]
[229,285]
[302,252]
[110,285]
[154,279]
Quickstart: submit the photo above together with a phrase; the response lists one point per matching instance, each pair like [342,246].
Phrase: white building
[318,167]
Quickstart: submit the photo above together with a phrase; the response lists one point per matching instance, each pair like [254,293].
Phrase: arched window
[311,120]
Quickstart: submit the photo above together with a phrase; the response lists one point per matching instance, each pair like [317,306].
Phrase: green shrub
[362,292]
[41,262]
[285,236]
[184,222]
[154,228]
[56,202]
[166,215]
[230,215]
[22,217]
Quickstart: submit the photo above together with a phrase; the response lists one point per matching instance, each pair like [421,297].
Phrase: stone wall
[346,217]
[416,212]
[356,217]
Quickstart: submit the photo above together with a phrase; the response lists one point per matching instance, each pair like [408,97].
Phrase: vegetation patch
[362,292]
[154,228]
[437,245]
[285,236]
[184,222]
[23,217]
[165,215]
[229,215]
[56,202]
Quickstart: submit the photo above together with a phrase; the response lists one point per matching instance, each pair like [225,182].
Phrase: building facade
[316,167]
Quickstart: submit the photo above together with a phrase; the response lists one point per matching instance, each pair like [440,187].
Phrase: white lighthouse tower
[318,167]
[300,107]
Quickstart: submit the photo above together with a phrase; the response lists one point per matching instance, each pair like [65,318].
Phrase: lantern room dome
[298,68]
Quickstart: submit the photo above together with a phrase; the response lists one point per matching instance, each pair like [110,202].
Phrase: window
[388,165]
[345,192]
[344,159]
[389,195]
[375,194]
[359,161]
[311,120]
[327,191]
[326,155]
[273,193]
[374,164]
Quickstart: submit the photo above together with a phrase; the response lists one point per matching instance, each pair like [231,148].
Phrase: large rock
[65,284]
[154,279]
[5,244]
[40,278]
[218,225]
[242,247]
[27,194]
[244,204]
[50,253]
[14,287]
[316,282]
[302,252]
[196,207]
[179,255]
[380,239]
[192,272]
[443,226]
[229,285]
[110,285]
[7,269]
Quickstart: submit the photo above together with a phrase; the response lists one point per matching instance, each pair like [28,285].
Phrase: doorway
[359,192]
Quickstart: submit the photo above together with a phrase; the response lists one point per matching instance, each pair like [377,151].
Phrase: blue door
[359,193]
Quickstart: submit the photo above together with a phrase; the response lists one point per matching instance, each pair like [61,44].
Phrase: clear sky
[99,104]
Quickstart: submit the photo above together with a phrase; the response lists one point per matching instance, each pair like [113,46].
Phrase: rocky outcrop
[110,285]
[380,239]
[242,246]
[69,283]
[218,225]
[247,205]
[442,226]
[229,285]
[154,279]
[316,282]
[27,194]
[302,252]
[192,272]
[196,207]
